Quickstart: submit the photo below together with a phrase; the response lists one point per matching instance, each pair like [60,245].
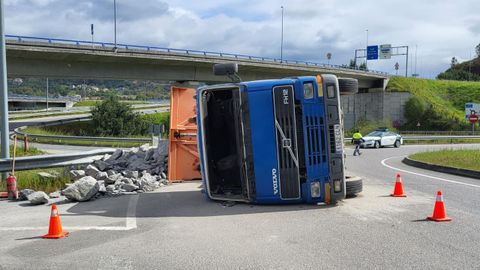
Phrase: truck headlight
[337,185]
[315,189]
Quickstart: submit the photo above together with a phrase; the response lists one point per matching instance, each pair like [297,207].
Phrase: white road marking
[130,222]
[424,175]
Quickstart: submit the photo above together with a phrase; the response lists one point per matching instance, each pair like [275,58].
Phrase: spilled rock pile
[132,171]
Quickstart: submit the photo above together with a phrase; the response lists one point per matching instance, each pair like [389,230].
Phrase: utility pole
[115,23]
[4,128]
[91,31]
[281,40]
[47,94]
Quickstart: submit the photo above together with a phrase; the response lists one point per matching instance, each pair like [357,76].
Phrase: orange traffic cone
[439,213]
[398,190]
[55,229]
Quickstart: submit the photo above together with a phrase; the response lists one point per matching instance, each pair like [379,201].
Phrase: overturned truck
[273,141]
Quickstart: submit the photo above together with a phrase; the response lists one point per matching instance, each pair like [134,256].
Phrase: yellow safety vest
[357,136]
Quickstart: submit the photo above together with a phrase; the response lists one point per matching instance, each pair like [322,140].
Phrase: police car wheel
[354,185]
[397,144]
[348,86]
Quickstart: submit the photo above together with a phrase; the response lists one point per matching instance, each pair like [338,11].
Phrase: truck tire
[354,185]
[348,86]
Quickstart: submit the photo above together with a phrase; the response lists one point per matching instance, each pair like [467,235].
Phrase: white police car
[380,138]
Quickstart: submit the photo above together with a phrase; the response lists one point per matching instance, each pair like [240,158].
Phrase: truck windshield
[223,143]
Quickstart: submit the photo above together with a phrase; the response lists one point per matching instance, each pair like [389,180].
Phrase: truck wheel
[354,185]
[397,144]
[348,86]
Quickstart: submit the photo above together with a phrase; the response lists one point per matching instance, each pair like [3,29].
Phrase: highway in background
[177,228]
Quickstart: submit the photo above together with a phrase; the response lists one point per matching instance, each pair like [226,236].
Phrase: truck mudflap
[286,140]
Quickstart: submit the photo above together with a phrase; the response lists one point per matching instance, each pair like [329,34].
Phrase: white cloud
[311,27]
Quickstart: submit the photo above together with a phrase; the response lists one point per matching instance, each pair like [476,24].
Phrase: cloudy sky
[312,28]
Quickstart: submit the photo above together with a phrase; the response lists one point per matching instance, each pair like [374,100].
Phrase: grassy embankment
[447,98]
[464,159]
[85,128]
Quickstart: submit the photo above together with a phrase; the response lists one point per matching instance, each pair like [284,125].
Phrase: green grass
[30,179]
[447,98]
[464,159]
[32,151]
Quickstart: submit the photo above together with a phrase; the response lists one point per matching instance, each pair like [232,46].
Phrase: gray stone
[77,174]
[106,157]
[140,191]
[38,197]
[91,170]
[23,194]
[101,165]
[149,154]
[163,175]
[111,172]
[47,176]
[54,194]
[101,176]
[112,178]
[110,188]
[129,187]
[102,189]
[118,153]
[130,174]
[82,190]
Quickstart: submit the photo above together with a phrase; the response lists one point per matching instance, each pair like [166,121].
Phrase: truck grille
[287,151]
[316,153]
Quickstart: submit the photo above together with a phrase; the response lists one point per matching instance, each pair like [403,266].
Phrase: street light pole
[4,129]
[115,22]
[47,94]
[281,40]
[366,51]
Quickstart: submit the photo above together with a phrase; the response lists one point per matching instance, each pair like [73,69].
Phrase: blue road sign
[372,52]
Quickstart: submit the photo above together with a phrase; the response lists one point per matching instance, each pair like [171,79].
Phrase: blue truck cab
[272,141]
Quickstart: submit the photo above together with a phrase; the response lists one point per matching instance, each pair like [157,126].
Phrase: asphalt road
[177,228]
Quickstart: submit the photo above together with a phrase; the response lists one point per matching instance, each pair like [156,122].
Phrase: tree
[352,64]
[477,50]
[113,118]
[454,62]
[363,66]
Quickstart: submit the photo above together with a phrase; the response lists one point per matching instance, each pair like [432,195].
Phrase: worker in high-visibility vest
[357,139]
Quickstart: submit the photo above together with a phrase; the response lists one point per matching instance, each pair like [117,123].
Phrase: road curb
[440,168]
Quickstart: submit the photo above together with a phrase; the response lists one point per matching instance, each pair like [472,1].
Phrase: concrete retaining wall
[375,107]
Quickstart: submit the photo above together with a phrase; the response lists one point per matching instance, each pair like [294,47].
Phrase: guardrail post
[25,143]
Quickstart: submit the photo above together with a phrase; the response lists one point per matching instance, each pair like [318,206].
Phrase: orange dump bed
[183,159]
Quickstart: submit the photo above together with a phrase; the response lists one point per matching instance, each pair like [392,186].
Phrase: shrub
[113,118]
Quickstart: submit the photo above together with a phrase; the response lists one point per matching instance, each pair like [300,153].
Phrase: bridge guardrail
[174,50]
[50,161]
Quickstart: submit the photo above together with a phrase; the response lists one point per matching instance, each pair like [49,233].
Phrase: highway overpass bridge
[60,58]
[30,102]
